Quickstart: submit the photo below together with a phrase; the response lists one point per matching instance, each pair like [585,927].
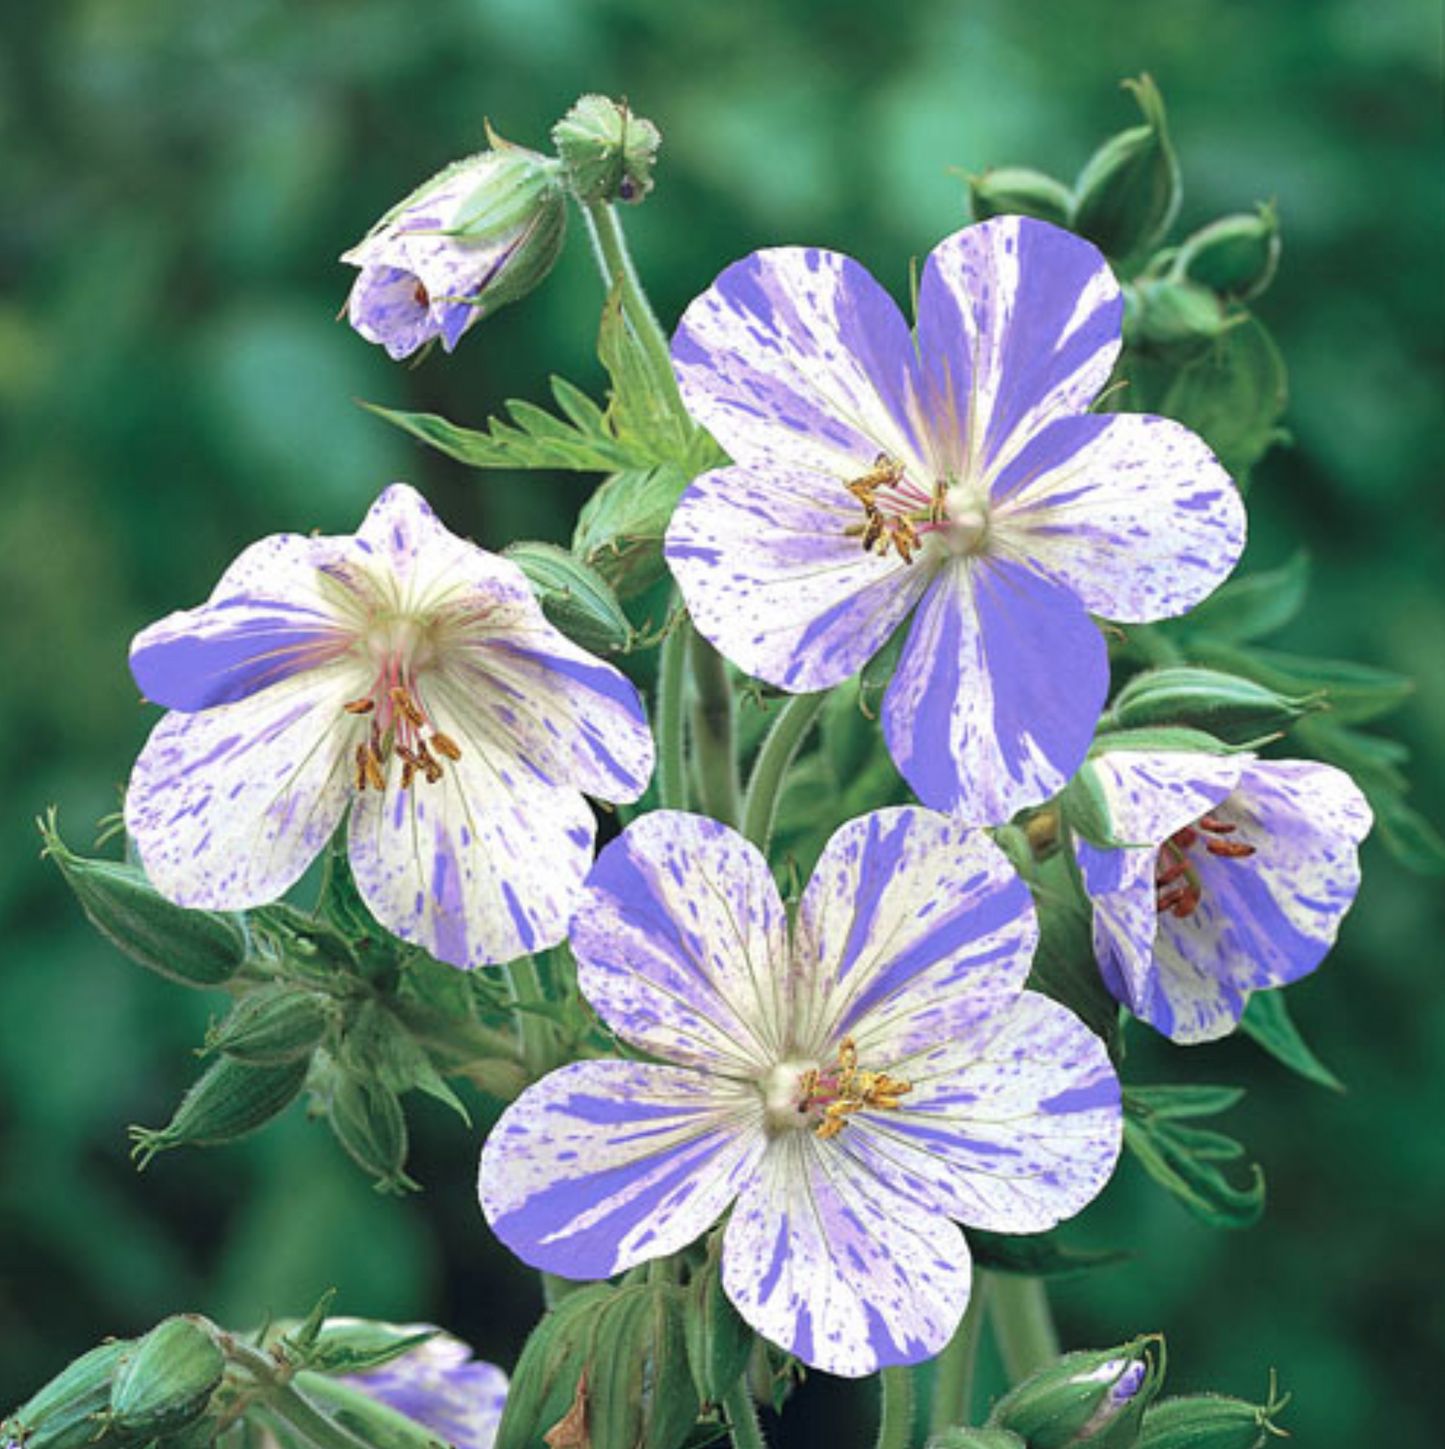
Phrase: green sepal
[719,1343]
[1228,707]
[1128,192]
[877,674]
[1254,604]
[377,1424]
[1169,738]
[1236,256]
[1267,1021]
[73,1409]
[1018,191]
[608,152]
[643,411]
[274,1024]
[1212,1421]
[369,1122]
[167,1382]
[228,1101]
[345,1346]
[575,597]
[202,949]
[1182,1159]
[377,1044]
[620,529]
[340,906]
[1175,321]
[964,1437]
[1040,1255]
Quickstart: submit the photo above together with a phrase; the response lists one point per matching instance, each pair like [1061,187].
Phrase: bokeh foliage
[179,177]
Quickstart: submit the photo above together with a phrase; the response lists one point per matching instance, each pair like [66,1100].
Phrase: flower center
[801,1094]
[1177,887]
[966,521]
[896,511]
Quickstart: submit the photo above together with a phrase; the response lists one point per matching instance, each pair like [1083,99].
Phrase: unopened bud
[574,596]
[228,1101]
[194,948]
[1092,1400]
[607,151]
[167,1382]
[270,1026]
[1175,321]
[1017,191]
[1212,1421]
[1128,192]
[369,1123]
[621,526]
[1235,256]
[1239,711]
[73,1409]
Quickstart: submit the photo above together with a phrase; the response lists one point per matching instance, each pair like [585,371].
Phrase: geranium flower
[955,469]
[846,1092]
[1237,876]
[443,1388]
[411,677]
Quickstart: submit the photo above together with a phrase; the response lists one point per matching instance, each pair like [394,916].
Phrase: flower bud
[270,1026]
[607,151]
[621,526]
[1239,711]
[167,1382]
[718,1341]
[228,1101]
[1211,1421]
[963,1437]
[574,596]
[481,233]
[1092,1400]
[193,948]
[1235,256]
[369,1123]
[1017,191]
[73,1409]
[1175,321]
[1128,192]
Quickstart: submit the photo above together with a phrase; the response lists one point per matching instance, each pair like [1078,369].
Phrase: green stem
[712,732]
[895,1428]
[765,787]
[742,1416]
[672,718]
[953,1375]
[533,1031]
[1022,1324]
[289,1405]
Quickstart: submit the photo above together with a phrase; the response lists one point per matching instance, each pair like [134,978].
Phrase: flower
[1237,876]
[411,676]
[443,1388]
[955,470]
[478,235]
[846,1092]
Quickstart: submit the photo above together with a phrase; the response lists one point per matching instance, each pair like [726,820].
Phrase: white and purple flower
[480,234]
[1237,876]
[440,1386]
[847,1089]
[955,469]
[411,677]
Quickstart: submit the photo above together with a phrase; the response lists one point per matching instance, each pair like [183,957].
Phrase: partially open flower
[442,1387]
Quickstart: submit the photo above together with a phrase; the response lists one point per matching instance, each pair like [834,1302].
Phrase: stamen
[375,776]
[445,746]
[845,1090]
[364,705]
[1215,826]
[361,768]
[1229,849]
[406,706]
[421,296]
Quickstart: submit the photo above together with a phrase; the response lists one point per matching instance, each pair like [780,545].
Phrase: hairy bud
[1235,256]
[1017,191]
[607,151]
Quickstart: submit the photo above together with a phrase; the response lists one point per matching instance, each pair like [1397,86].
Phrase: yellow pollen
[364,705]
[445,746]
[406,706]
[845,1089]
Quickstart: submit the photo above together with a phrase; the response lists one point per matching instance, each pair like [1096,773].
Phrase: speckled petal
[796,357]
[604,1164]
[913,927]
[441,1387]
[227,807]
[1152,793]
[1126,925]
[433,569]
[997,693]
[681,944]
[1012,1126]
[1133,513]
[384,308]
[824,1261]
[1018,324]
[774,580]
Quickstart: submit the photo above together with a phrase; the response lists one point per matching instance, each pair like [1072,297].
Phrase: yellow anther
[406,706]
[375,776]
[845,1089]
[445,746]
[365,705]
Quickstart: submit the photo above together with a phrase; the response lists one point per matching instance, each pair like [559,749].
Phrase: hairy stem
[742,1416]
[286,1403]
[953,1375]
[1022,1324]
[672,717]
[713,712]
[895,1427]
[765,787]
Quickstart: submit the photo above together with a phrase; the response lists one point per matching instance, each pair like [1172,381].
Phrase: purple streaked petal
[849,1278]
[229,806]
[1120,884]
[681,944]
[384,307]
[773,579]
[1018,324]
[1133,513]
[913,927]
[997,693]
[1012,1125]
[441,1387]
[1152,793]
[796,357]
[604,1164]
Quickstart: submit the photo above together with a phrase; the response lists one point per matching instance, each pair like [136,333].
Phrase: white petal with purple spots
[1133,513]
[996,695]
[681,944]
[1152,793]
[443,1388]
[822,1259]
[604,1164]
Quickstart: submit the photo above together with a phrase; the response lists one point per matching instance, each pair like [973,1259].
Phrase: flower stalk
[1023,1324]
[895,1428]
[770,772]
[954,1371]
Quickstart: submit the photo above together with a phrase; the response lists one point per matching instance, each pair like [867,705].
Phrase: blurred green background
[179,176]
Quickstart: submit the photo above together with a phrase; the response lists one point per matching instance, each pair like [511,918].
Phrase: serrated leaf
[1267,1021]
[1183,1101]
[1256,604]
[1039,1255]
[645,413]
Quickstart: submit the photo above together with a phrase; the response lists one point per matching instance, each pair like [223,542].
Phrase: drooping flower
[954,469]
[411,677]
[478,235]
[1242,872]
[846,1092]
[442,1387]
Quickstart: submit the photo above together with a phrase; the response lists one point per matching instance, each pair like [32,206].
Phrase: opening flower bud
[1235,256]
[608,152]
[1017,191]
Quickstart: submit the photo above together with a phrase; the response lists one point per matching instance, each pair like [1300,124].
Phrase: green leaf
[644,412]
[1407,834]
[353,1346]
[1182,1159]
[1039,1255]
[1267,1020]
[1259,603]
